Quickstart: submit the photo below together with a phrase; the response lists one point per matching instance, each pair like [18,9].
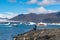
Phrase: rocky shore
[45,34]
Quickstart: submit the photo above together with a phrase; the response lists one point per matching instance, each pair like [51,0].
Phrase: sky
[12,8]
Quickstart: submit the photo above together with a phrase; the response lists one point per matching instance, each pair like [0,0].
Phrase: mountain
[33,17]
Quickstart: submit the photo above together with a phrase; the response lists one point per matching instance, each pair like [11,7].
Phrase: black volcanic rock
[49,17]
[44,34]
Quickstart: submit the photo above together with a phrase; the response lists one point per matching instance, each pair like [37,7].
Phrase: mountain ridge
[33,17]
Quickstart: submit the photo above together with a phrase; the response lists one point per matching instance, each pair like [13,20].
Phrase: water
[7,32]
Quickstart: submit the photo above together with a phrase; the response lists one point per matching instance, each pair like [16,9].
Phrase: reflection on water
[7,32]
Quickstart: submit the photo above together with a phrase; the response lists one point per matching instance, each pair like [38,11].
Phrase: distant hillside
[49,17]
[3,18]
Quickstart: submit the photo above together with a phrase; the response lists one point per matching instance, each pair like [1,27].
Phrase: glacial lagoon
[7,32]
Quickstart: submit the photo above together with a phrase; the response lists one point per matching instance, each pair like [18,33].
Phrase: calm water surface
[7,32]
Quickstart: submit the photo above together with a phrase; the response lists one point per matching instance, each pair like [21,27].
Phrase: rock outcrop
[45,34]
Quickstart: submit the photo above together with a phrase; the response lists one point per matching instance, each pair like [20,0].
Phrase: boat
[42,24]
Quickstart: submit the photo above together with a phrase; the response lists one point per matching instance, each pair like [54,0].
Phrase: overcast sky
[11,8]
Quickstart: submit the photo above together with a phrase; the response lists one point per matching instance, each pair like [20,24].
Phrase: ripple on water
[7,31]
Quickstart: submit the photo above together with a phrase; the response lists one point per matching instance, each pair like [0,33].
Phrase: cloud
[40,10]
[11,0]
[46,2]
[32,1]
[43,2]
[8,15]
[57,0]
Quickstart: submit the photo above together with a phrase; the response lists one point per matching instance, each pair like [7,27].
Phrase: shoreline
[51,34]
